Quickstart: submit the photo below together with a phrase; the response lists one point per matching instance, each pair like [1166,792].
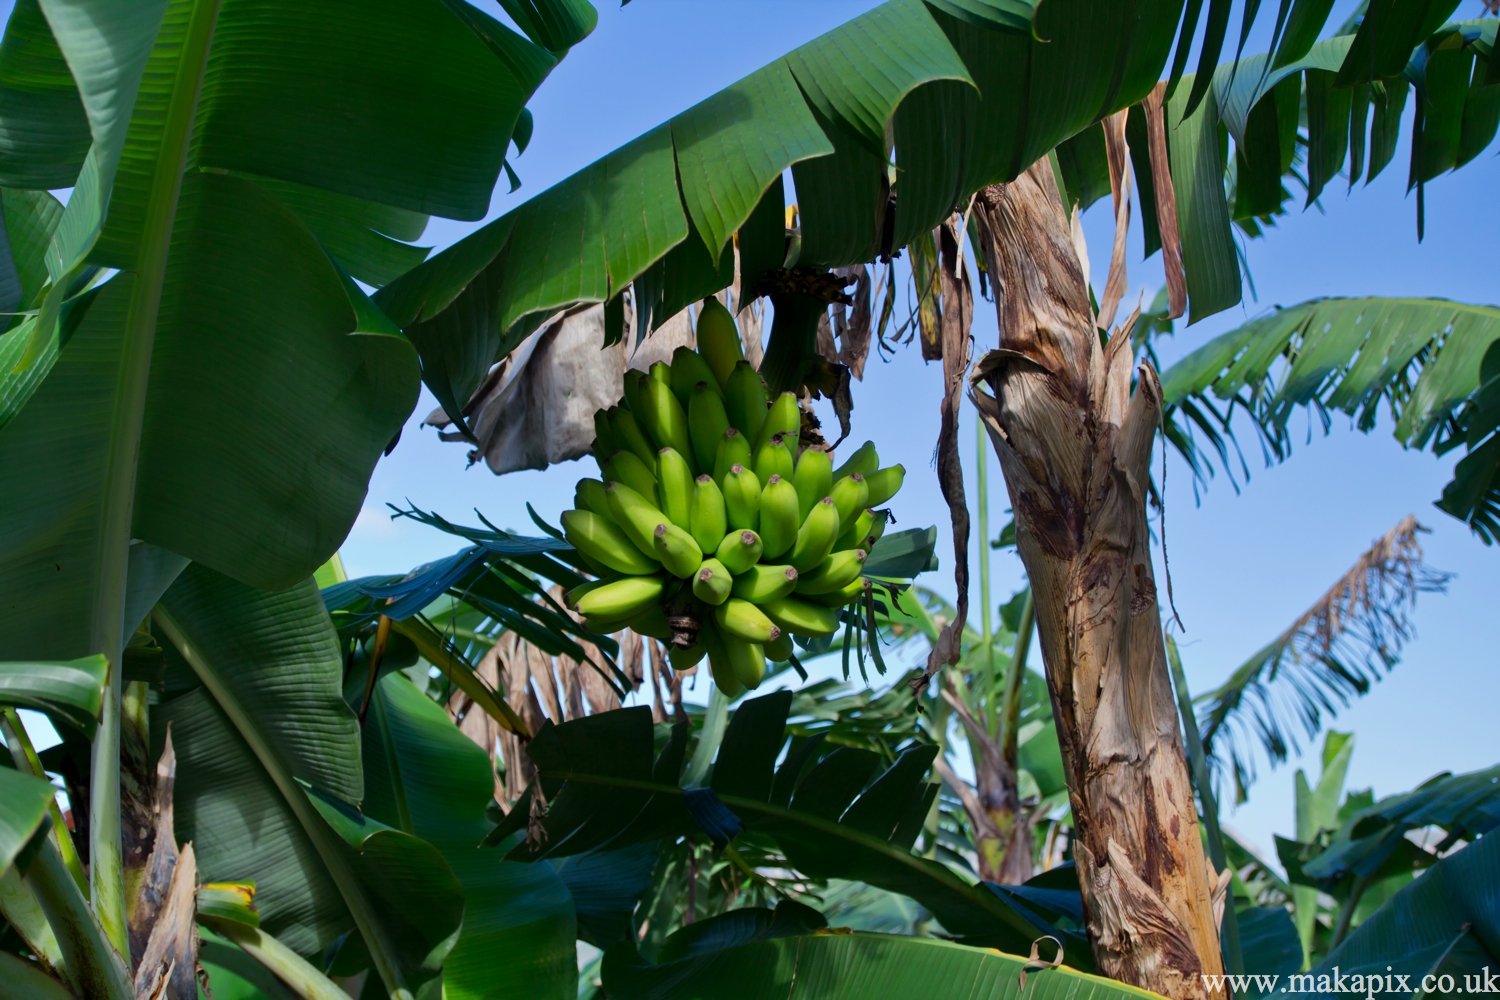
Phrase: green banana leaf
[835,814]
[966,104]
[787,961]
[209,397]
[72,691]
[1447,922]
[23,810]
[425,777]
[267,754]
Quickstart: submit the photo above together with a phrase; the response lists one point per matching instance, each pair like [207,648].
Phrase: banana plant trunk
[1074,442]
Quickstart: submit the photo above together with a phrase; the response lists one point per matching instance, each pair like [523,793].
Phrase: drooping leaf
[425,777]
[72,691]
[260,728]
[23,809]
[845,967]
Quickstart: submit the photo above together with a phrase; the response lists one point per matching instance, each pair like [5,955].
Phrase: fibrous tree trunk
[1074,443]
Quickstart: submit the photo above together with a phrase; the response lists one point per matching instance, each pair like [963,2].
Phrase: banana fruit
[710,509]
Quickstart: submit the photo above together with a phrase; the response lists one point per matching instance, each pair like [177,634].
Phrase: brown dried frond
[1335,650]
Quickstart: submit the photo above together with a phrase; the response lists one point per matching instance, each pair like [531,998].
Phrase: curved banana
[604,543]
[686,659]
[761,583]
[624,467]
[688,369]
[733,449]
[773,458]
[634,515]
[778,517]
[712,582]
[884,484]
[706,423]
[663,417]
[745,400]
[674,487]
[708,519]
[588,494]
[742,498]
[833,574]
[622,598]
[678,553]
[632,389]
[816,536]
[718,339]
[739,550]
[745,620]
[864,461]
[802,617]
[851,496]
[858,534]
[629,435]
[784,417]
[813,478]
[852,591]
[781,649]
[747,661]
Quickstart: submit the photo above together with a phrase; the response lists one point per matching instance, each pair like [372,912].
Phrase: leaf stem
[1014,678]
[330,849]
[982,467]
[107,870]
[284,963]
[93,965]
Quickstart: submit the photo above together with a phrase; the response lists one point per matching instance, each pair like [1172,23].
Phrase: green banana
[816,536]
[784,417]
[745,400]
[707,518]
[864,461]
[857,535]
[706,423]
[739,550]
[624,467]
[589,495]
[773,458]
[884,484]
[851,591]
[663,417]
[778,516]
[747,661]
[604,435]
[686,659]
[674,484]
[628,434]
[733,449]
[802,617]
[744,620]
[813,478]
[718,339]
[742,498]
[678,553]
[877,528]
[761,583]
[851,496]
[572,597]
[688,369]
[712,583]
[718,661]
[781,650]
[651,622]
[604,543]
[635,515]
[662,372]
[632,384]
[832,574]
[622,598]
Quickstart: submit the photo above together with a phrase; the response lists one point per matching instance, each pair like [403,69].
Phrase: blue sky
[1243,566]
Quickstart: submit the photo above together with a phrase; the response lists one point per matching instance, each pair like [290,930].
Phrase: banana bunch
[709,529]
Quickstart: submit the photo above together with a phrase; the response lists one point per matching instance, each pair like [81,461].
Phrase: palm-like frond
[1333,652]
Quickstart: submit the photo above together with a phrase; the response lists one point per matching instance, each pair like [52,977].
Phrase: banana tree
[235,167]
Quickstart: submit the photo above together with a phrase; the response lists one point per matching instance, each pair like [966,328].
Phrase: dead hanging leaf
[169,963]
[1166,203]
[157,878]
[826,348]
[854,330]
[831,380]
[958,318]
[925,270]
[1117,151]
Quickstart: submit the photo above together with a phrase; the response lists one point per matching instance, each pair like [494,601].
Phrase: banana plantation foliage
[493,775]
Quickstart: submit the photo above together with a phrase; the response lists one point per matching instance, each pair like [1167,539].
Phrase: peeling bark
[1074,443]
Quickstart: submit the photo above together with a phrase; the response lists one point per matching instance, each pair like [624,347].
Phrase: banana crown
[712,527]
